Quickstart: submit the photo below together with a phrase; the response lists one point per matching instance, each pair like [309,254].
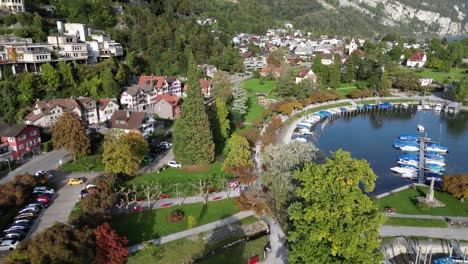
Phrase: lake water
[370,136]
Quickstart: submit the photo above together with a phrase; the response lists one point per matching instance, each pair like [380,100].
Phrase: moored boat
[420,128]
[408,137]
[409,148]
[404,105]
[401,170]
[435,162]
[438,107]
[436,148]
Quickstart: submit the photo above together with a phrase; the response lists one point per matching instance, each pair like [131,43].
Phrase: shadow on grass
[203,212]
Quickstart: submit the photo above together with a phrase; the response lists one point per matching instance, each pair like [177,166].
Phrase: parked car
[174,164]
[8,245]
[36,194]
[148,159]
[19,233]
[43,189]
[90,186]
[26,216]
[27,221]
[38,204]
[13,236]
[43,172]
[14,228]
[84,193]
[165,144]
[43,199]
[29,210]
[25,224]
[74,181]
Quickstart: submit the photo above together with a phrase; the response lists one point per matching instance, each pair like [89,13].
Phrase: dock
[422,146]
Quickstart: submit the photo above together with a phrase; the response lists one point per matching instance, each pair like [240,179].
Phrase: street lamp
[9,168]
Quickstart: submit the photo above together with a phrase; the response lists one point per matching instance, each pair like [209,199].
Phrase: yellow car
[73,181]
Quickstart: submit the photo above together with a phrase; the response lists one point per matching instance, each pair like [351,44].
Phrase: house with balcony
[106,108]
[13,6]
[138,97]
[175,86]
[89,111]
[68,47]
[19,142]
[126,121]
[159,83]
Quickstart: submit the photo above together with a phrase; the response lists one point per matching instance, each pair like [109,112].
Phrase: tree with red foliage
[110,247]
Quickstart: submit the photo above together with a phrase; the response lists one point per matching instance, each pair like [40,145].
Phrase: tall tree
[239,158]
[239,101]
[51,77]
[69,132]
[110,247]
[280,162]
[123,75]
[460,92]
[66,73]
[334,73]
[220,120]
[110,88]
[222,86]
[334,221]
[193,141]
[26,88]
[124,153]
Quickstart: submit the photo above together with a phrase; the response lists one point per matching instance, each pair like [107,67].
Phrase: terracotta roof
[248,54]
[84,102]
[418,56]
[104,102]
[156,81]
[327,56]
[360,53]
[11,130]
[67,104]
[127,120]
[205,86]
[269,69]
[303,73]
[171,99]
[294,57]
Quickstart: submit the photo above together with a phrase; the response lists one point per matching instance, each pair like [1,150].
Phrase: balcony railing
[6,155]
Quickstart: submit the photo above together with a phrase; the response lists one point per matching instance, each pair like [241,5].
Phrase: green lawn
[183,176]
[345,91]
[454,74]
[254,111]
[186,250]
[86,163]
[249,220]
[254,86]
[397,221]
[404,203]
[151,224]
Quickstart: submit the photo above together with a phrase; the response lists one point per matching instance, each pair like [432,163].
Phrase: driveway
[45,161]
[64,201]
[160,160]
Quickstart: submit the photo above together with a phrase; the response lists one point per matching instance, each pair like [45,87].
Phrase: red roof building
[19,142]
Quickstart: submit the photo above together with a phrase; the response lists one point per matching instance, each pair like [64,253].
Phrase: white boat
[426,107]
[435,162]
[409,148]
[412,175]
[436,149]
[438,107]
[303,124]
[420,107]
[408,162]
[404,105]
[403,170]
[299,139]
[420,128]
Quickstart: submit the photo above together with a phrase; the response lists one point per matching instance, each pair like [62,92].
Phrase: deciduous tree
[51,77]
[124,153]
[239,158]
[222,86]
[334,221]
[110,247]
[193,141]
[456,185]
[69,132]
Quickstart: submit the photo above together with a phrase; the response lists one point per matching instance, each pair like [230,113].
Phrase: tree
[66,73]
[335,71]
[280,162]
[69,132]
[124,153]
[122,75]
[333,221]
[51,77]
[220,121]
[110,88]
[222,86]
[110,247]
[193,141]
[456,185]
[58,244]
[152,191]
[460,92]
[239,158]
[239,101]
[17,191]
[26,88]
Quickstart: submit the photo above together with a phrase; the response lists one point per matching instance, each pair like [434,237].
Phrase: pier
[422,146]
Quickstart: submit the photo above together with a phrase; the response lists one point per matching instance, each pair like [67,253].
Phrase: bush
[47,146]
[423,207]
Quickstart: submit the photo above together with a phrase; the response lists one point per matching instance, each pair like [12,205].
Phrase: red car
[43,199]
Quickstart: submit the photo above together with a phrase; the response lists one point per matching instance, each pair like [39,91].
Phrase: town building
[13,6]
[138,97]
[126,121]
[417,60]
[205,86]
[106,108]
[167,106]
[306,74]
[19,142]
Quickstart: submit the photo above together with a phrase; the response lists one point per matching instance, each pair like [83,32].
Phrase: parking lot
[64,200]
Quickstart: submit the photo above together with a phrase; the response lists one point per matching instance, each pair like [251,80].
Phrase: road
[45,161]
[160,160]
[240,77]
[447,233]
[279,253]
[65,199]
[437,217]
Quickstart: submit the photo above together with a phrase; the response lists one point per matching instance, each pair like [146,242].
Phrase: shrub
[191,222]
[422,206]
[47,146]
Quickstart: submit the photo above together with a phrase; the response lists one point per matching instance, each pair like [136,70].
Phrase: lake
[370,135]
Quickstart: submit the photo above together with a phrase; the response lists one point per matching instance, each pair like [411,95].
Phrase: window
[37,140]
[22,137]
[33,133]
[20,147]
[11,139]
[29,144]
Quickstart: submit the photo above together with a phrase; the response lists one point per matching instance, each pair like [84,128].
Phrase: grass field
[186,250]
[151,224]
[345,91]
[397,221]
[254,86]
[404,203]
[86,163]
[454,74]
[254,111]
[184,176]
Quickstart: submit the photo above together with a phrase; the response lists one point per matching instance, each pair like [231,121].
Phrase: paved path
[160,160]
[194,231]
[279,253]
[454,218]
[44,161]
[447,233]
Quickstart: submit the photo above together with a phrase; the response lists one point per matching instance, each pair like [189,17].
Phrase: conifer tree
[220,121]
[193,141]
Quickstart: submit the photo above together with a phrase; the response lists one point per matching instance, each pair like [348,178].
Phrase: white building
[14,6]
